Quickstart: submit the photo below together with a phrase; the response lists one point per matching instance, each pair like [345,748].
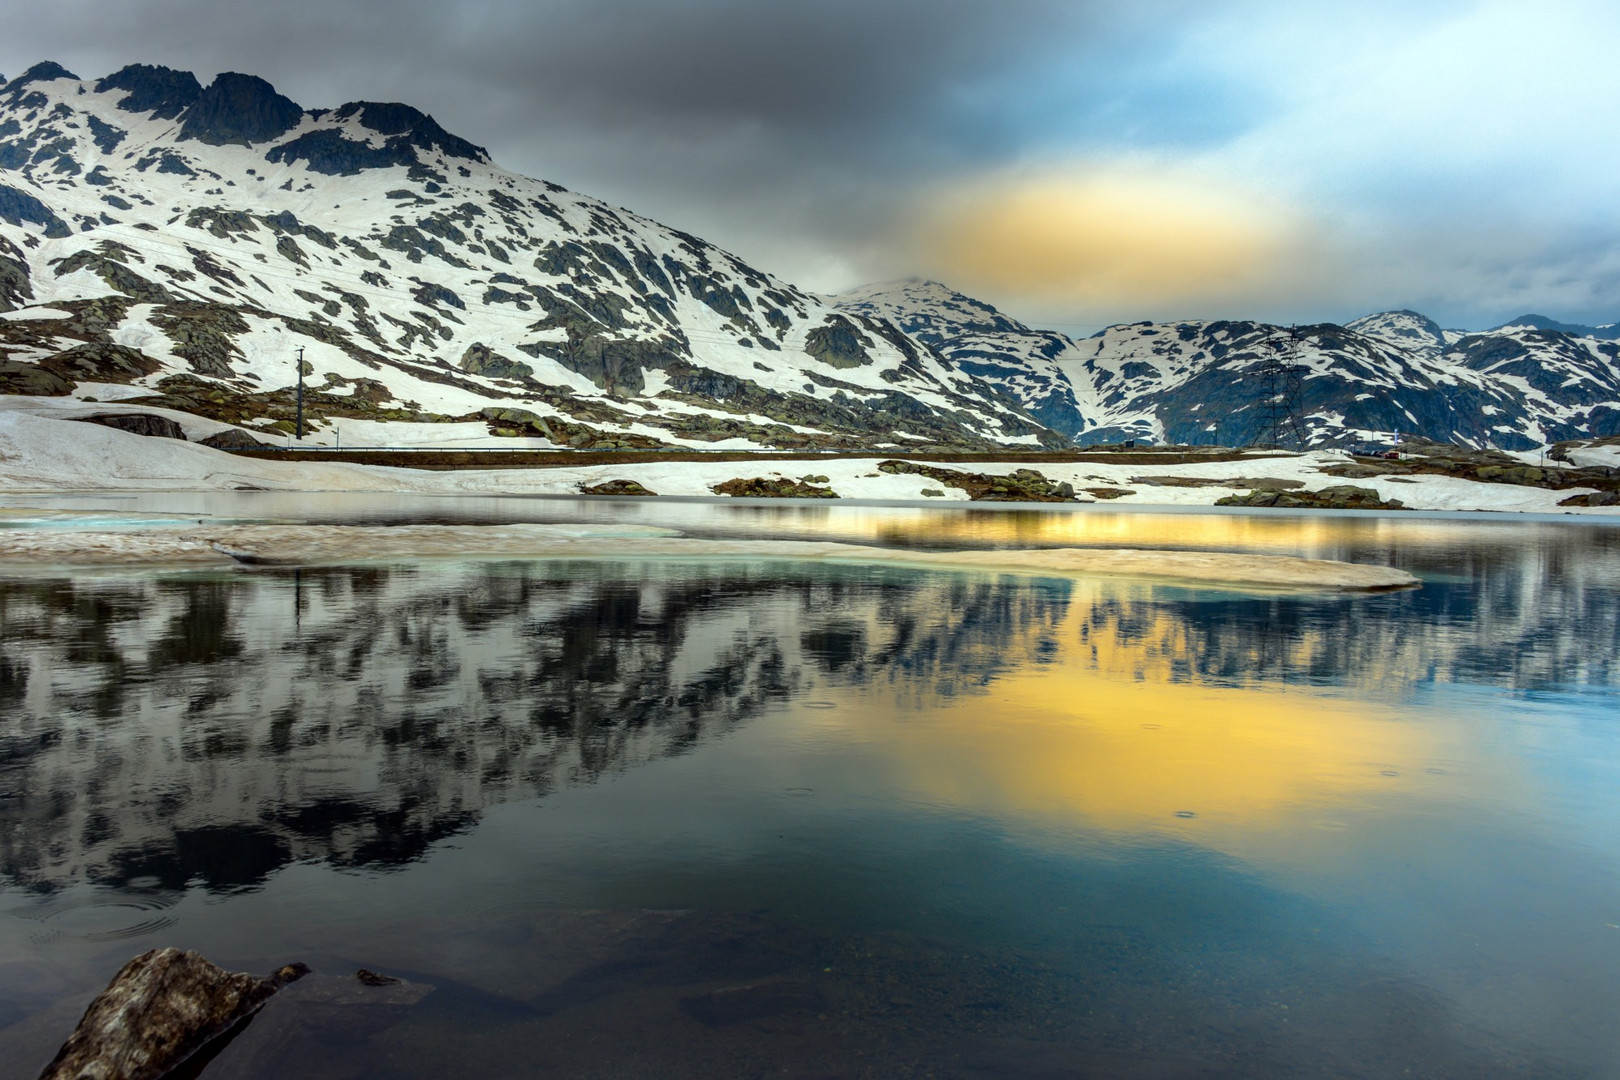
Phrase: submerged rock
[160,1009]
[312,1028]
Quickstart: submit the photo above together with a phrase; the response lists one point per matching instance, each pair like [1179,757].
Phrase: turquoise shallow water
[688,820]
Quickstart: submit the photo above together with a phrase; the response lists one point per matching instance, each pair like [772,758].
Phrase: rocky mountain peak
[237,108]
[1402,329]
[920,304]
[44,71]
[383,117]
[163,92]
[1542,322]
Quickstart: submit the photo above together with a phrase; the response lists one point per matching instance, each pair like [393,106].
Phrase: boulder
[232,439]
[160,1009]
[480,359]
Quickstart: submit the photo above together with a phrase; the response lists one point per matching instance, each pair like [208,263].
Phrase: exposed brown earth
[444,460]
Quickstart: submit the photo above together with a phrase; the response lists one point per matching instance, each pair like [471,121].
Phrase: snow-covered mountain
[1607,331]
[981,341]
[187,241]
[174,244]
[1514,388]
[1406,331]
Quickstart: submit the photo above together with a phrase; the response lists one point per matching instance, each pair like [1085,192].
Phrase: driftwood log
[159,1010]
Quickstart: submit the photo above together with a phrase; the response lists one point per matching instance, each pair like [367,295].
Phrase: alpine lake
[660,818]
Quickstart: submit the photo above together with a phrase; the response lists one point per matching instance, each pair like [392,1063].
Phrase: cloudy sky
[1077,163]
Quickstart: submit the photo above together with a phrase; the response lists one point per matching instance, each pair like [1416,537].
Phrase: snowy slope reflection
[212,728]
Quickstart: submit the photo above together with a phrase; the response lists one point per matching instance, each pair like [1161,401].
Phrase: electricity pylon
[1281,378]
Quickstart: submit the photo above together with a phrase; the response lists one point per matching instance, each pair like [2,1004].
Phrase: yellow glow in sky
[1107,237]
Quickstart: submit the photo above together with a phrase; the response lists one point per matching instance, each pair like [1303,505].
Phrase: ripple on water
[102,917]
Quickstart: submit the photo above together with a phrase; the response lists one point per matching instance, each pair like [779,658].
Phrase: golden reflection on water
[1109,736]
[1001,525]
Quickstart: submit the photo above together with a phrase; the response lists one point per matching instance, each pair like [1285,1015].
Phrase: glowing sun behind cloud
[1118,237]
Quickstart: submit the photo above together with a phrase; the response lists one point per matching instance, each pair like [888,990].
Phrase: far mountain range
[170,244]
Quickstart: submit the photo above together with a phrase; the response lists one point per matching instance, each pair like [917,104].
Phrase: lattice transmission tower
[1281,377]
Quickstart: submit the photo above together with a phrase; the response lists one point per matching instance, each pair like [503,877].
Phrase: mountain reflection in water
[1004,818]
[213,728]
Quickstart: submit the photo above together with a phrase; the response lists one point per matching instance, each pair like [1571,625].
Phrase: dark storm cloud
[837,69]
[787,129]
[1431,153]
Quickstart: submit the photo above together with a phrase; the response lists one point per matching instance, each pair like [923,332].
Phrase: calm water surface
[665,819]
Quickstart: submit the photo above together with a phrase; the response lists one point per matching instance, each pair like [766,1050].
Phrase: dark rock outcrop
[17,207]
[1337,497]
[44,71]
[480,359]
[239,108]
[1482,466]
[329,152]
[161,91]
[615,487]
[16,285]
[17,377]
[159,1010]
[138,424]
[232,439]
[1020,485]
[769,487]
[394,118]
[101,361]
[1596,498]
[838,344]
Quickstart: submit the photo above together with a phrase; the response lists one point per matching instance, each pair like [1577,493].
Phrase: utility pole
[300,393]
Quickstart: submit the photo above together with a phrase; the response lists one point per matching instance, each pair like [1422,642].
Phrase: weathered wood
[160,1009]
